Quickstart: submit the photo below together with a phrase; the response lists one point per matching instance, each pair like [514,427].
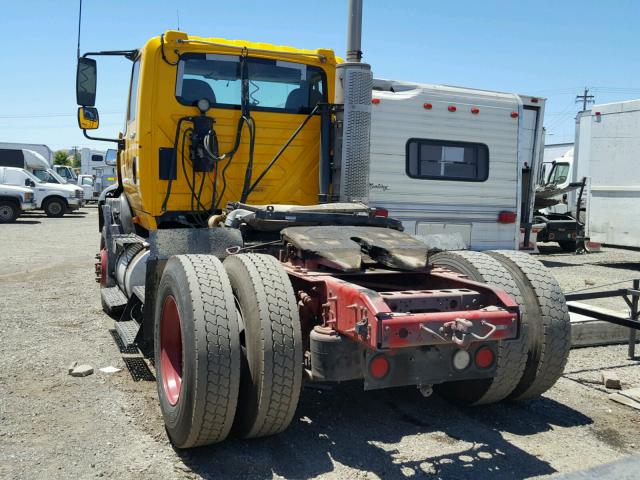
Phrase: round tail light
[461,359]
[379,366]
[484,357]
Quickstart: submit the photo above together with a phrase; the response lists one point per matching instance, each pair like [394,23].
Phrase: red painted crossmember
[471,311]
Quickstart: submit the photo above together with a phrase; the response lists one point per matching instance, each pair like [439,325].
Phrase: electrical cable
[174,163]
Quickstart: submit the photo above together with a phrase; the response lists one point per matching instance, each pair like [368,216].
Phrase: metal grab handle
[492,329]
[464,341]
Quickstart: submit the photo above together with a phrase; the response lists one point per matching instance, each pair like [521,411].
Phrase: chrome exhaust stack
[354,83]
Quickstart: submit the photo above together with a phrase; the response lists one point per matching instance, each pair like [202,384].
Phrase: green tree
[61,157]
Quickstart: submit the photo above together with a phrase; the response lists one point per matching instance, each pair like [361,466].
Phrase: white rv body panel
[469,209]
[92,162]
[608,149]
[41,149]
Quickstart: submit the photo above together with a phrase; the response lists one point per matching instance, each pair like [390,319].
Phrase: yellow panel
[294,178]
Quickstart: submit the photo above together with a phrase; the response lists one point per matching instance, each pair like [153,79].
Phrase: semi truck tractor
[240,253]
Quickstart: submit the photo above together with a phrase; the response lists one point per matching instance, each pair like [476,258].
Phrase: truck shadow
[22,221]
[347,426]
[32,215]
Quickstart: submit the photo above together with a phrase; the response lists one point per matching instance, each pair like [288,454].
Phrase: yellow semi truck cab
[171,73]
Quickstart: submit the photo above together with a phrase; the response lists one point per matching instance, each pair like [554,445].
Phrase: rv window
[97,158]
[447,160]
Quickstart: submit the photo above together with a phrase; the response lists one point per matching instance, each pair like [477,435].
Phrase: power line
[51,115]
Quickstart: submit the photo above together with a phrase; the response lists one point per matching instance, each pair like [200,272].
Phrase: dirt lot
[106,425]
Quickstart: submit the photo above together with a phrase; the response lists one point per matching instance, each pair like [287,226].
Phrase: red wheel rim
[171,350]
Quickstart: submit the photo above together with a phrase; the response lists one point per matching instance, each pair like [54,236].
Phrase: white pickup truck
[13,201]
[54,199]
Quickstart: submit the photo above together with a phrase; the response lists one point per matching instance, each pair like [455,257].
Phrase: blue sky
[547,48]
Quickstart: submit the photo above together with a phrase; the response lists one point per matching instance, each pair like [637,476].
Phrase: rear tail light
[381,212]
[379,366]
[461,359]
[507,217]
[484,357]
[375,101]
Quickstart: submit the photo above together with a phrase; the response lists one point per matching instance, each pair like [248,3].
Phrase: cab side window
[133,91]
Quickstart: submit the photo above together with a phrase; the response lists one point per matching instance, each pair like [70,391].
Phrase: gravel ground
[53,425]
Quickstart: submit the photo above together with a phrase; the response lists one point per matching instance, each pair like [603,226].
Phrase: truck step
[128,238]
[127,331]
[113,297]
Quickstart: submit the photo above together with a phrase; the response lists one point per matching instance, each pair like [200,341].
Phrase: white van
[54,198]
[453,162]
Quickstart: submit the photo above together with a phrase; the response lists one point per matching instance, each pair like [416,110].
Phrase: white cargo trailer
[452,160]
[607,150]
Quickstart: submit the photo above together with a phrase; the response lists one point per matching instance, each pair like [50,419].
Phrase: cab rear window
[273,85]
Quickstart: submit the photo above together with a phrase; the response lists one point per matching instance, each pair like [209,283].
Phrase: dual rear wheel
[529,365]
[228,348]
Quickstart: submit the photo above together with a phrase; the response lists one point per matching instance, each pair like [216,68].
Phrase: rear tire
[54,207]
[205,362]
[272,339]
[8,211]
[548,319]
[512,354]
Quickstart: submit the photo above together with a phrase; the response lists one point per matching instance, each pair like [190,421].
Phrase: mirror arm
[119,141]
[129,54]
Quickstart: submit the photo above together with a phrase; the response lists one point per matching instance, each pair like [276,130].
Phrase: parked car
[54,198]
[13,201]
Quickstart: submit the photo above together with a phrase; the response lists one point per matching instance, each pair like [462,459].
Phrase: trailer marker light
[514,114]
[475,110]
[375,101]
[461,359]
[534,100]
[427,106]
[452,108]
[507,217]
[484,357]
[379,366]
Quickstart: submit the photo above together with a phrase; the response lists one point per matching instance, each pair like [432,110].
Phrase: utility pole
[585,98]
[75,156]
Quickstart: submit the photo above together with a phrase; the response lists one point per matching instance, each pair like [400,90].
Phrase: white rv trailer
[453,160]
[608,153]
